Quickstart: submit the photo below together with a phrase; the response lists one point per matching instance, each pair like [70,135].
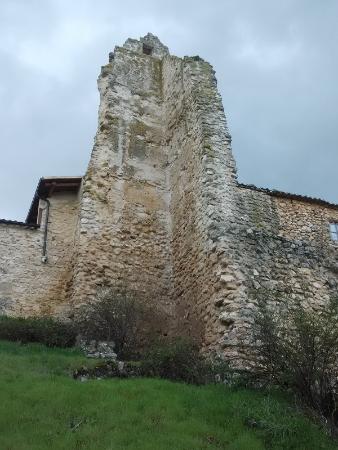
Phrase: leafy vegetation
[42,407]
[179,359]
[298,349]
[44,330]
[176,360]
[112,316]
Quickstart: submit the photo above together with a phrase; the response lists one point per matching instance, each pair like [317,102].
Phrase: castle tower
[156,190]
[160,214]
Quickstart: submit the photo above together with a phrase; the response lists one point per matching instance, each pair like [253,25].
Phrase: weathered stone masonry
[31,282]
[160,212]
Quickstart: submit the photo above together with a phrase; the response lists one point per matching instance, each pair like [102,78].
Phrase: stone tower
[157,188]
[160,213]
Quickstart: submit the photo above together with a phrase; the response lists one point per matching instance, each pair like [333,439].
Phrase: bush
[178,360]
[44,330]
[298,349]
[112,316]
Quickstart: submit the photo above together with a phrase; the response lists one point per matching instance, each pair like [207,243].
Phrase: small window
[334,231]
[147,50]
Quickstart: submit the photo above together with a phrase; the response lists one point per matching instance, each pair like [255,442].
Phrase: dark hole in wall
[147,49]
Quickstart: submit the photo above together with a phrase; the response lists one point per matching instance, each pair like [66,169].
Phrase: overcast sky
[276,64]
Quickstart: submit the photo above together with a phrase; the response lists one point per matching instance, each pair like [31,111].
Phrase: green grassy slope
[42,408]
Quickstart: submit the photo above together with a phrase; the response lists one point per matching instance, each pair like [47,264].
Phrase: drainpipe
[45,232]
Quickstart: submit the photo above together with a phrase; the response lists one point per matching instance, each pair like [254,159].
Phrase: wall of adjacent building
[20,256]
[284,255]
[29,286]
[305,220]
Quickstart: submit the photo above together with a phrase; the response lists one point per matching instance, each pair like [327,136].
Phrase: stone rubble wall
[285,255]
[28,286]
[233,248]
[306,221]
[160,214]
[157,191]
[124,234]
[202,180]
[20,260]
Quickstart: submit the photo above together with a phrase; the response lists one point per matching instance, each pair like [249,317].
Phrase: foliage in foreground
[44,330]
[298,349]
[112,316]
[42,407]
[180,360]
[176,360]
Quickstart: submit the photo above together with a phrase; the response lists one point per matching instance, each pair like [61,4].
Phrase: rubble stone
[160,212]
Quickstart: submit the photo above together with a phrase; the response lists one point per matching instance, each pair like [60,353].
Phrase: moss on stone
[106,70]
[95,194]
[138,128]
[157,71]
[208,150]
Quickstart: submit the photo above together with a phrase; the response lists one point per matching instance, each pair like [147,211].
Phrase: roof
[281,194]
[15,222]
[46,187]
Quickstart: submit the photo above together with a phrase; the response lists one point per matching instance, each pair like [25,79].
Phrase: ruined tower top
[148,45]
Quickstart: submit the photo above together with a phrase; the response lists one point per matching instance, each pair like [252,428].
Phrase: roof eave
[43,190]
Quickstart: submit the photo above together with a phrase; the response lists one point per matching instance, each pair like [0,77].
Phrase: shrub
[178,360]
[44,330]
[112,316]
[298,349]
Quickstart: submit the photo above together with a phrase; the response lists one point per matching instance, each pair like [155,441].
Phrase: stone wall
[20,256]
[124,235]
[29,286]
[283,253]
[157,191]
[305,220]
[161,214]
[202,180]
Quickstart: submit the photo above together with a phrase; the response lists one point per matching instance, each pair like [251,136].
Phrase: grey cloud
[276,64]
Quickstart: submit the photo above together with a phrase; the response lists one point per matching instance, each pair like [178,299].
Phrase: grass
[43,408]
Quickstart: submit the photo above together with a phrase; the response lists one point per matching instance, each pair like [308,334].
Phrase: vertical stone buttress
[158,191]
[124,231]
[202,177]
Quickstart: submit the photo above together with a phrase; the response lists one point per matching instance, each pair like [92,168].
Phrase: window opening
[334,231]
[147,50]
